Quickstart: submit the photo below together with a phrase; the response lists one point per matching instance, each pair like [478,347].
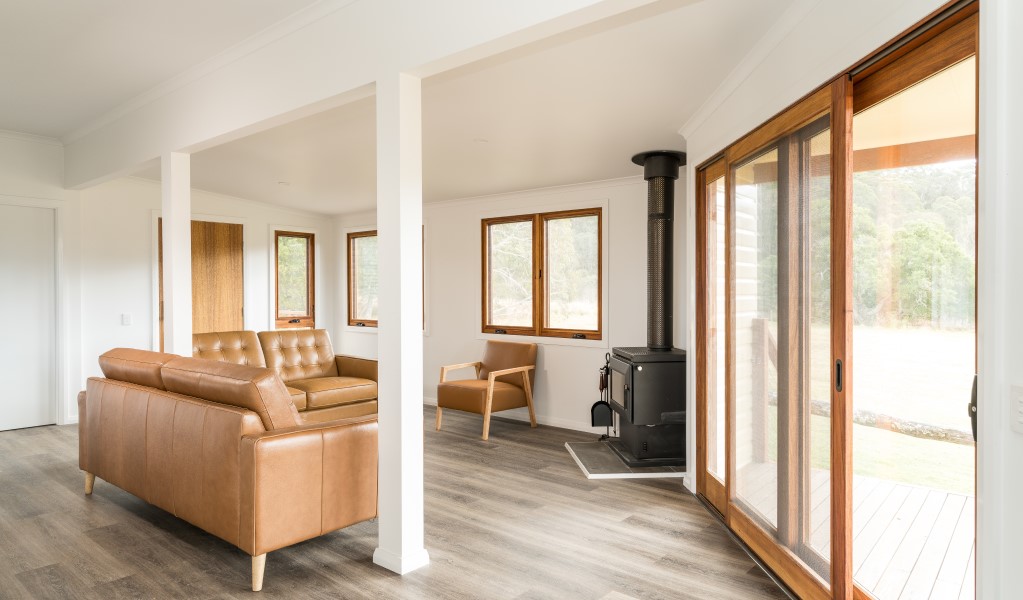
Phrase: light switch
[125,318]
[1016,408]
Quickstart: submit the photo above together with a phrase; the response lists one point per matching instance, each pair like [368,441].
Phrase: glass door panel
[781,214]
[914,240]
[716,342]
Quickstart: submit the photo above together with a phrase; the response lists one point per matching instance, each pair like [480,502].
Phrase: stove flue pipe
[660,169]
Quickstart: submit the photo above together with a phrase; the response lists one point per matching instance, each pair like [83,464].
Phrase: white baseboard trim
[401,564]
[520,414]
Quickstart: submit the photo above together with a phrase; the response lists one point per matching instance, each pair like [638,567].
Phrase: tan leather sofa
[335,386]
[223,447]
[323,386]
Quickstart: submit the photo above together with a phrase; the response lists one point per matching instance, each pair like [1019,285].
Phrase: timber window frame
[353,297]
[540,288]
[291,321]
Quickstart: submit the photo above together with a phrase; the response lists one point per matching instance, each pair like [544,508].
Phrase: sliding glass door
[780,213]
[848,220]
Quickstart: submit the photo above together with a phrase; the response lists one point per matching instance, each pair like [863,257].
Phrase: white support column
[400,546]
[177,253]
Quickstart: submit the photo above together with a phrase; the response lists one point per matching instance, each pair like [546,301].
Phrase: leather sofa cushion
[238,347]
[335,391]
[299,353]
[140,367]
[507,355]
[254,388]
[298,397]
[344,411]
[470,395]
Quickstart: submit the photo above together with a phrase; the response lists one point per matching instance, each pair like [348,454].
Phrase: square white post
[177,253]
[400,335]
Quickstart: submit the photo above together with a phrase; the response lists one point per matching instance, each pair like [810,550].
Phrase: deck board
[909,542]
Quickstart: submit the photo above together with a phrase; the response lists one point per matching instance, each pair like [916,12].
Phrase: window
[363,279]
[542,274]
[296,283]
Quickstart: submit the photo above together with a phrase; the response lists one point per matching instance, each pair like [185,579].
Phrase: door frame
[65,409]
[716,492]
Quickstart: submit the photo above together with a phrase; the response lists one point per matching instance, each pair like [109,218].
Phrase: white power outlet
[125,319]
[1016,408]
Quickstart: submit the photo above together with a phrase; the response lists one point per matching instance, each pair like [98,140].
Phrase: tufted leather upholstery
[305,360]
[299,353]
[217,449]
[238,347]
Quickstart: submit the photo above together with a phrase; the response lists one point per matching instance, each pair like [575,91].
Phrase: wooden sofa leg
[90,482]
[258,567]
[438,418]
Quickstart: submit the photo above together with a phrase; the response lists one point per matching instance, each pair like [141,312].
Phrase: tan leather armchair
[222,446]
[504,380]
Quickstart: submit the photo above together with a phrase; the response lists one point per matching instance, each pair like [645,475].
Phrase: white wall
[31,172]
[1000,321]
[566,382]
[119,261]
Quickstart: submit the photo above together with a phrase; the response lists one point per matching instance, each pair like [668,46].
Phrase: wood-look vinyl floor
[512,517]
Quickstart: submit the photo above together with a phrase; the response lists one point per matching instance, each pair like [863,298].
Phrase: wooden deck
[909,542]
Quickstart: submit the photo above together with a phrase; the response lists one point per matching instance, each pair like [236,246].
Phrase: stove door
[621,388]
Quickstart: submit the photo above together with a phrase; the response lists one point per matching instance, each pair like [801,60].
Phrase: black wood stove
[648,384]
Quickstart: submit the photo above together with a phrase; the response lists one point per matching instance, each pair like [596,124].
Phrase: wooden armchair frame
[491,378]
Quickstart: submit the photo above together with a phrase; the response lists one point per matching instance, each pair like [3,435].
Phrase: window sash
[353,288]
[539,325]
[306,320]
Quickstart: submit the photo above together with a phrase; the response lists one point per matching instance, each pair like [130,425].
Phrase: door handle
[972,408]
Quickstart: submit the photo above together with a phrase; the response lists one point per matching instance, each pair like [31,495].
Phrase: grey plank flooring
[512,517]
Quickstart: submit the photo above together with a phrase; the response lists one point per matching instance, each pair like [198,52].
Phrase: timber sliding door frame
[713,488]
[788,134]
[935,43]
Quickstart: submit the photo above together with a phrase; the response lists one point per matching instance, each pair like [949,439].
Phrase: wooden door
[218,291]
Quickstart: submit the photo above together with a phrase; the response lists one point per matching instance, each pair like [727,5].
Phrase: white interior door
[28,386]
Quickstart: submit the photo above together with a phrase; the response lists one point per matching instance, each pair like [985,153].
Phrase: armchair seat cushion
[335,391]
[298,397]
[470,395]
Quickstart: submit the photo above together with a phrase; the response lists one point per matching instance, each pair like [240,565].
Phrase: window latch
[295,321]
[500,331]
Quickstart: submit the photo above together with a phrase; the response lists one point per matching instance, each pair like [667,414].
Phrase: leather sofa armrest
[301,482]
[353,366]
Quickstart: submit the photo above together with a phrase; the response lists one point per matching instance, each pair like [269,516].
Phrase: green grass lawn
[892,456]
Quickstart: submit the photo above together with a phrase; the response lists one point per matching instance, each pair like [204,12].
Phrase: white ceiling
[64,63]
[570,109]
[567,110]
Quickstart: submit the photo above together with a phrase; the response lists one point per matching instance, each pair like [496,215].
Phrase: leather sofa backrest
[299,353]
[253,388]
[506,355]
[140,367]
[238,347]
